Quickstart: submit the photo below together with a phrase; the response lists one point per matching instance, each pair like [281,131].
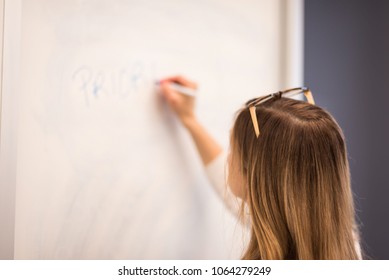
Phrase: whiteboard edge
[8,133]
[292,42]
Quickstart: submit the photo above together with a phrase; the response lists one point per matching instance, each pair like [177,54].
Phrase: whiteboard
[103,169]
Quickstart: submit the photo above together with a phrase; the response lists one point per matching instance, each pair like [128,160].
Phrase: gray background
[347,67]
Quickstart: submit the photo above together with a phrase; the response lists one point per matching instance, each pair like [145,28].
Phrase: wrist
[189,122]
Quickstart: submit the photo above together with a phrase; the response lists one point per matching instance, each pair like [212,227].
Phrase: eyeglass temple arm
[254,120]
[309,97]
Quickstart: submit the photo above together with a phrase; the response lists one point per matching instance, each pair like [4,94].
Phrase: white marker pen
[181,89]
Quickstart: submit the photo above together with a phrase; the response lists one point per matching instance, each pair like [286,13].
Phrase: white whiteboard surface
[103,169]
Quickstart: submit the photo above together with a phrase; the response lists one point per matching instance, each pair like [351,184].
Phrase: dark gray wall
[347,67]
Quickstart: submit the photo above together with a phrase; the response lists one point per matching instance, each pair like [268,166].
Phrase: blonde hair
[298,184]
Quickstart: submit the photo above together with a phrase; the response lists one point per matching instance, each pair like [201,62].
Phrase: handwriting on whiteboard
[113,82]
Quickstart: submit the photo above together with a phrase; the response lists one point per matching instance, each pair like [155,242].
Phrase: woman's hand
[183,105]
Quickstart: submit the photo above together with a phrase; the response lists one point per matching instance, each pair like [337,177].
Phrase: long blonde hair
[297,182]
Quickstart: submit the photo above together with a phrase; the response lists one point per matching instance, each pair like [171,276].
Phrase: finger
[167,91]
[182,81]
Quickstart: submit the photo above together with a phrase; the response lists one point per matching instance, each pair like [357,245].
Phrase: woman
[288,164]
